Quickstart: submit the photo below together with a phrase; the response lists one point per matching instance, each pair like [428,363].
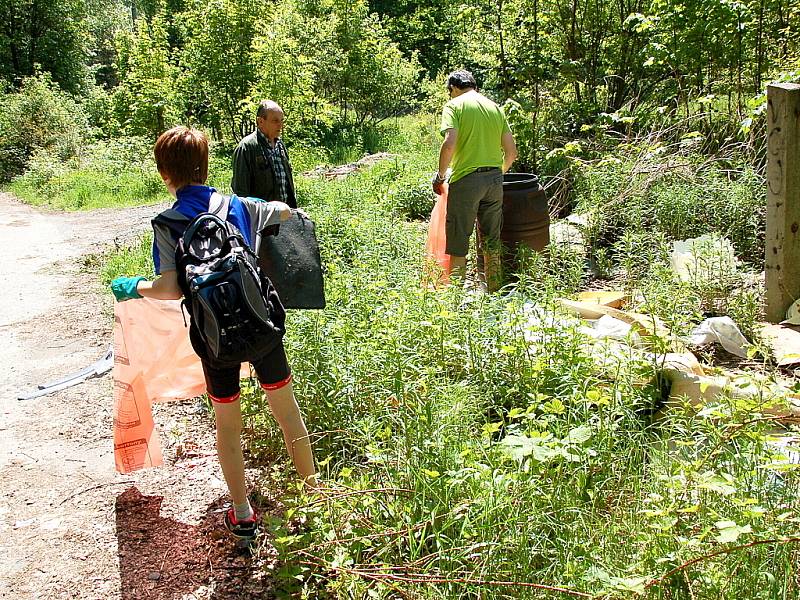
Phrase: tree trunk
[572,48]
[536,95]
[503,59]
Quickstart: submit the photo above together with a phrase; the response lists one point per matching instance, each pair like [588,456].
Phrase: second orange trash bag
[437,260]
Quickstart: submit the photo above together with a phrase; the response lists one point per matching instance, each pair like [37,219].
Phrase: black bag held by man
[232,305]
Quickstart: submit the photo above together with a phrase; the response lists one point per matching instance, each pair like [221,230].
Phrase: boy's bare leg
[229,448]
[295,435]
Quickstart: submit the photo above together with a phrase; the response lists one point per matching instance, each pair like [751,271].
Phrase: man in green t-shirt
[479,147]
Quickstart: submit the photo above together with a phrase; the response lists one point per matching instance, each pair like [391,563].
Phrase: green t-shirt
[480,124]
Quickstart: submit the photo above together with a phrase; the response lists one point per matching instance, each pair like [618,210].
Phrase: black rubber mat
[291,260]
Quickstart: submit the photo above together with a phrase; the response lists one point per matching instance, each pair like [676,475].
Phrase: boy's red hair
[181,156]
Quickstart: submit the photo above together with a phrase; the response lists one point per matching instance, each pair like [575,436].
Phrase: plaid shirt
[281,176]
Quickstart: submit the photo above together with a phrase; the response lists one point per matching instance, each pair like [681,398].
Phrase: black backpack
[233,306]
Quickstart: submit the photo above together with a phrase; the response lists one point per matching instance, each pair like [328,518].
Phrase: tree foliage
[145,101]
[570,63]
[371,75]
[292,57]
[218,60]
[569,67]
[40,33]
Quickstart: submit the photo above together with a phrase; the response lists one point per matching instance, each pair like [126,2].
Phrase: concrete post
[783,199]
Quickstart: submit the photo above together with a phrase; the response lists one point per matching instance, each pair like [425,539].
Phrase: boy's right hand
[124,288]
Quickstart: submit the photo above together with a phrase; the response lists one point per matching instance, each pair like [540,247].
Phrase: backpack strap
[176,222]
[173,220]
[219,205]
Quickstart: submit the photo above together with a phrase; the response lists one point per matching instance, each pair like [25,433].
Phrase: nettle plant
[709,266]
[474,444]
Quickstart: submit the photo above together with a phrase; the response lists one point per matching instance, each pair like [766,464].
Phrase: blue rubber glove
[124,288]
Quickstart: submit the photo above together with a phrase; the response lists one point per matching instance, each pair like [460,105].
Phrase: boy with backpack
[202,252]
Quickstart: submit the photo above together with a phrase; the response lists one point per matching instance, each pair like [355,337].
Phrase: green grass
[129,261]
[87,189]
[473,445]
[122,172]
[106,174]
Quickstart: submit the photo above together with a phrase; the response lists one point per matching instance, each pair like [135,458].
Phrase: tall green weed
[676,196]
[128,260]
[470,439]
[479,446]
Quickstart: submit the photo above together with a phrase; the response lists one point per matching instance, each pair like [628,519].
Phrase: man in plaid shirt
[261,167]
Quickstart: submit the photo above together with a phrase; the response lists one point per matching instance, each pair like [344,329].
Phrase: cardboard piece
[784,342]
[644,325]
[690,383]
[611,298]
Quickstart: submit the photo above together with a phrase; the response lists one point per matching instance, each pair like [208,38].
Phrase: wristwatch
[438,178]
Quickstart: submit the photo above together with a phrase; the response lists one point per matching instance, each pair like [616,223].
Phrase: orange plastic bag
[437,260]
[153,362]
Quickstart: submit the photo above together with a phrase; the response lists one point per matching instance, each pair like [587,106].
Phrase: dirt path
[70,527]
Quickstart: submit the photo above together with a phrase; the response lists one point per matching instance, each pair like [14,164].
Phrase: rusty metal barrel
[526,218]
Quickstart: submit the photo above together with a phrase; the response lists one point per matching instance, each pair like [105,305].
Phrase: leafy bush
[99,106]
[38,117]
[116,173]
[347,142]
[679,197]
[413,202]
[219,166]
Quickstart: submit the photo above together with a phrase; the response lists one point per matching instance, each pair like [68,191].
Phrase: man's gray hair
[266,106]
[461,79]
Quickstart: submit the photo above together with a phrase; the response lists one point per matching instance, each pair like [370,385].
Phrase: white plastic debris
[565,233]
[708,258]
[543,325]
[724,331]
[609,327]
[793,314]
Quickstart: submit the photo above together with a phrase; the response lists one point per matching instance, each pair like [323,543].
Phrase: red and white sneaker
[244,529]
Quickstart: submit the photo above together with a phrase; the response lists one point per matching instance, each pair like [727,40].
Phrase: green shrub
[674,196]
[115,173]
[99,106]
[413,202]
[38,117]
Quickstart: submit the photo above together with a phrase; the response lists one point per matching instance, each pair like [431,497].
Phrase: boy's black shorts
[222,378]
